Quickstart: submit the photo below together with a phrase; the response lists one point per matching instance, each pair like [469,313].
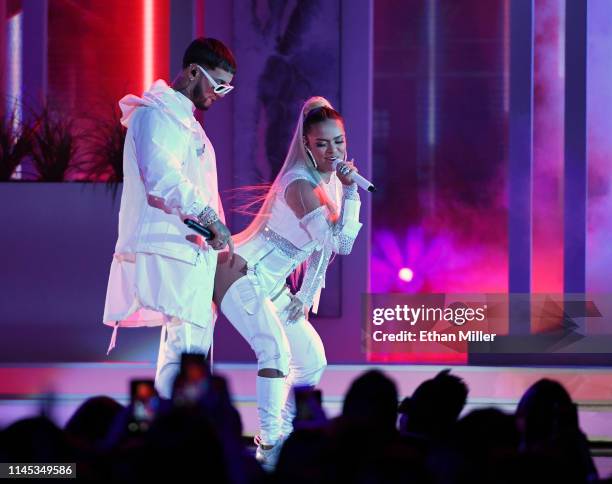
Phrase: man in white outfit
[162,273]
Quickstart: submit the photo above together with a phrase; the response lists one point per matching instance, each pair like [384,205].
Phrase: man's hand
[222,237]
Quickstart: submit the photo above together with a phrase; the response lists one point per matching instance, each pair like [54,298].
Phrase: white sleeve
[314,277]
[160,151]
[339,237]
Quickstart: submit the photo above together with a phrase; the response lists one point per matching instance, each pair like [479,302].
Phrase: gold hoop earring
[310,155]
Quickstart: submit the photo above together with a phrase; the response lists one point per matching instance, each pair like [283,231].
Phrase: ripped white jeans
[296,350]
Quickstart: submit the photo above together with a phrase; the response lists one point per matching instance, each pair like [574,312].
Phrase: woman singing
[310,212]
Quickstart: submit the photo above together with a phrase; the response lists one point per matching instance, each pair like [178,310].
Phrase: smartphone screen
[193,380]
[194,367]
[144,400]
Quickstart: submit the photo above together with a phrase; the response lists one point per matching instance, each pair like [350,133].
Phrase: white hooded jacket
[160,268]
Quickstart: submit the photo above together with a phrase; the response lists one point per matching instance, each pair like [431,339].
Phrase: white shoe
[268,458]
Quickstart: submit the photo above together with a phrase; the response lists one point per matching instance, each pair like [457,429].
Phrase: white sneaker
[268,458]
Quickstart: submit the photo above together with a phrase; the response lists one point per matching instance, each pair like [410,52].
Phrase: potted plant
[15,144]
[101,158]
[53,145]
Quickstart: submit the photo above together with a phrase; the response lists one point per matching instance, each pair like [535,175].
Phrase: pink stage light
[148,44]
[434,261]
[405,274]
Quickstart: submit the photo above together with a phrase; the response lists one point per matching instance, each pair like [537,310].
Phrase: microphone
[357,178]
[199,228]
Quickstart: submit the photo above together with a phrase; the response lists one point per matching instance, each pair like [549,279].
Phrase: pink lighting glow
[148,44]
[435,260]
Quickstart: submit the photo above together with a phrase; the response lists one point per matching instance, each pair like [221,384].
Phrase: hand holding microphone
[346,170]
[217,234]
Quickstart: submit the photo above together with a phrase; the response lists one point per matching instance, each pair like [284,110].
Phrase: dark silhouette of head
[35,439]
[480,448]
[188,437]
[545,411]
[547,420]
[372,401]
[486,430]
[93,419]
[434,406]
[304,457]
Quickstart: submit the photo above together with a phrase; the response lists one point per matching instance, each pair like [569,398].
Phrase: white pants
[306,364]
[178,337]
[296,350]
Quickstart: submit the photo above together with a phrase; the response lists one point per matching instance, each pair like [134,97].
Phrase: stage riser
[24,388]
[586,385]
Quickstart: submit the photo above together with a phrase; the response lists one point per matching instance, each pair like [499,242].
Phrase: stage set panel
[472,123]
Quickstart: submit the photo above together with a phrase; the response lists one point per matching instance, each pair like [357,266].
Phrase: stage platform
[62,387]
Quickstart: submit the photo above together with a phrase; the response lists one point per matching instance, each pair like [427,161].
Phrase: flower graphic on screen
[420,262]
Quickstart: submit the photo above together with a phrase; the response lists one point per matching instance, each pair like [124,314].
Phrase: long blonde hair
[296,156]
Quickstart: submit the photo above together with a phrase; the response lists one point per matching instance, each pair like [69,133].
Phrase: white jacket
[161,268]
[169,173]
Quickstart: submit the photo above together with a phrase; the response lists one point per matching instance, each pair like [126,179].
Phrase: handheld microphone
[357,178]
[199,228]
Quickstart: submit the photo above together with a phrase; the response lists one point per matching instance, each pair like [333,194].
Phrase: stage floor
[61,387]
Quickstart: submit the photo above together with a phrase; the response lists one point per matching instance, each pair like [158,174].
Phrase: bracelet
[208,217]
[350,192]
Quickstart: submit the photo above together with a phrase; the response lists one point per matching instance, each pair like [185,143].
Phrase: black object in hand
[199,228]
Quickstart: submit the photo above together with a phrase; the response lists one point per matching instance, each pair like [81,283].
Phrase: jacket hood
[160,96]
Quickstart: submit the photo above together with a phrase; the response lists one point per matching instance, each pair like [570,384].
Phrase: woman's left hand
[345,170]
[295,310]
